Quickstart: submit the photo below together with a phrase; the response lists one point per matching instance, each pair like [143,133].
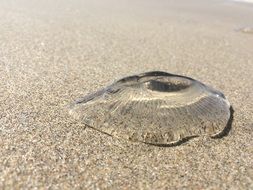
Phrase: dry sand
[52,52]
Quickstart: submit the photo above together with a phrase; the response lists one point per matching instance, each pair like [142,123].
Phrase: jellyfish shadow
[228,127]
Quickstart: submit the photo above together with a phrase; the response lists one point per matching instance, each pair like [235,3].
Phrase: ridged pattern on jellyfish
[157,114]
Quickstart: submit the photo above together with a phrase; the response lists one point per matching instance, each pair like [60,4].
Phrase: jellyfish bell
[155,108]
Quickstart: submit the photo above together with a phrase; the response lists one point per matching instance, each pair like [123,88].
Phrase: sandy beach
[54,52]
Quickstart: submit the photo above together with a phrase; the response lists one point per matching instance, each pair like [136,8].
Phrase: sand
[53,52]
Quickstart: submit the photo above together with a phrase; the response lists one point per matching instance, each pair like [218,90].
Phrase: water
[244,1]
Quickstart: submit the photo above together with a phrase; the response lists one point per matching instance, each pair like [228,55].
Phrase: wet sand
[53,52]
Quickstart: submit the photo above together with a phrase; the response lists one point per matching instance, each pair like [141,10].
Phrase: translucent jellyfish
[157,108]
